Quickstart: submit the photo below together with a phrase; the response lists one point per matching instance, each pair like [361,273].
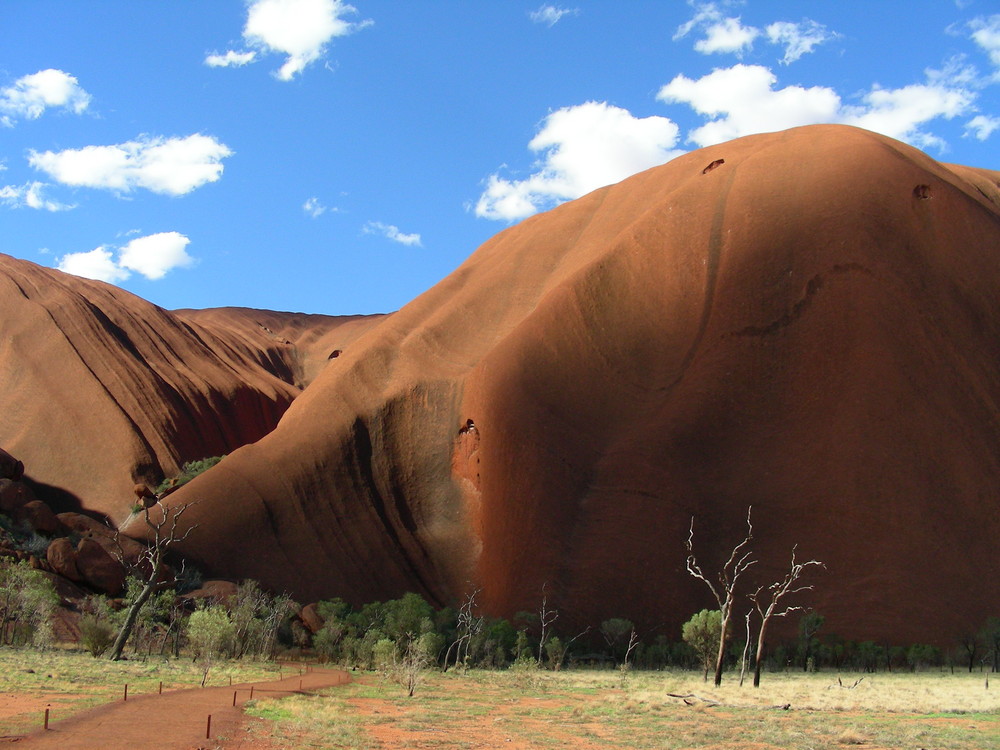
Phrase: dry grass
[584,709]
[72,681]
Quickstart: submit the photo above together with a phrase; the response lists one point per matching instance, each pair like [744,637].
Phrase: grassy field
[71,681]
[583,709]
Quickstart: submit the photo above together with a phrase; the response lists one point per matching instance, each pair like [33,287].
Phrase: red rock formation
[100,390]
[805,322]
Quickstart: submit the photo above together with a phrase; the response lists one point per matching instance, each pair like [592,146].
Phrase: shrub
[189,471]
[96,634]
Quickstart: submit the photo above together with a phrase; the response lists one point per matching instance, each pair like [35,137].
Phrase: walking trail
[175,720]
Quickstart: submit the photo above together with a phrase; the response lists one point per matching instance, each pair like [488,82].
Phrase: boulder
[213,591]
[10,467]
[62,557]
[14,496]
[311,619]
[41,518]
[85,526]
[98,568]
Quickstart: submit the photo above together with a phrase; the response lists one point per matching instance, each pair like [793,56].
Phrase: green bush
[189,471]
[96,634]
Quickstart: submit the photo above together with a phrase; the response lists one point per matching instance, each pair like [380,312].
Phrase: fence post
[126,692]
[208,729]
[46,717]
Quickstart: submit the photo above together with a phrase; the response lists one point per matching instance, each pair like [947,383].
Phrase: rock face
[100,390]
[804,322]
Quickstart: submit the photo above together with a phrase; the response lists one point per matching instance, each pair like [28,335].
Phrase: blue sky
[315,156]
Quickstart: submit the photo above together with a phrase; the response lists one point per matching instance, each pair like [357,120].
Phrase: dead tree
[737,564]
[469,625]
[163,532]
[546,618]
[767,601]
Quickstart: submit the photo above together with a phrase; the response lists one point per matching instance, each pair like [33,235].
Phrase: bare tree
[768,600]
[633,641]
[163,532]
[469,625]
[546,618]
[737,564]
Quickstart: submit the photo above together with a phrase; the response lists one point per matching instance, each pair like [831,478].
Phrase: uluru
[803,322]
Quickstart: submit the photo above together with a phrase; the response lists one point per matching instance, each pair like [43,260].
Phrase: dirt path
[176,720]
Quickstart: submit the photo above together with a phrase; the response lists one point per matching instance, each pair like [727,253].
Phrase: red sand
[176,719]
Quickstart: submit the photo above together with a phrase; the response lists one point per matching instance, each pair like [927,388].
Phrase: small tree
[614,630]
[210,632]
[768,604]
[163,532]
[737,564]
[701,633]
[27,601]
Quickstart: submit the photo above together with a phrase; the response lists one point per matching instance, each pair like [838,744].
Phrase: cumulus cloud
[581,148]
[982,126]
[550,15]
[31,95]
[299,29]
[798,38]
[743,99]
[172,166]
[392,233]
[152,256]
[231,59]
[722,33]
[98,264]
[155,255]
[30,195]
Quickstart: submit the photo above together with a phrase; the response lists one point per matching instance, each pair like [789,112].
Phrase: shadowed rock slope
[100,389]
[806,322]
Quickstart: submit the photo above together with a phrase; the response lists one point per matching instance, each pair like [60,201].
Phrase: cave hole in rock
[922,192]
[335,353]
[714,165]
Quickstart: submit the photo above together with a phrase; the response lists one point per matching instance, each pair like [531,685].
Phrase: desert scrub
[589,709]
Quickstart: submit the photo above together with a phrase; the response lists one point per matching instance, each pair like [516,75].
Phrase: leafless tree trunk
[767,604]
[746,648]
[546,617]
[164,533]
[468,626]
[737,564]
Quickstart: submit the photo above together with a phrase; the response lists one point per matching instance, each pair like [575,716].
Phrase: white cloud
[728,35]
[152,256]
[742,100]
[745,97]
[30,195]
[314,208]
[581,148]
[550,15]
[799,38]
[97,264]
[31,95]
[155,255]
[392,233]
[300,29]
[982,126]
[986,33]
[173,166]
[232,59]
[722,33]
